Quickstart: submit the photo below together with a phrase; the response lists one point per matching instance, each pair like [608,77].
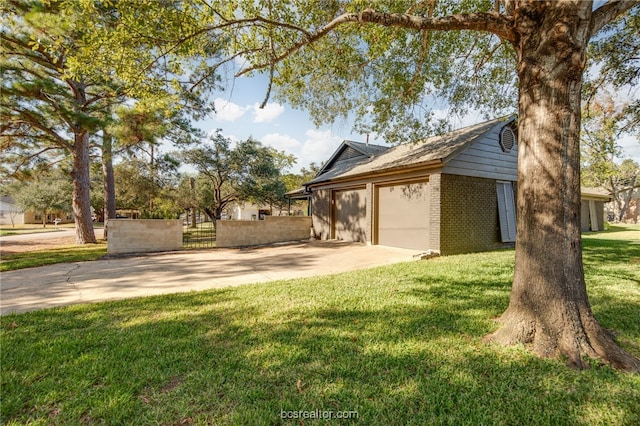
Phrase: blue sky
[286,129]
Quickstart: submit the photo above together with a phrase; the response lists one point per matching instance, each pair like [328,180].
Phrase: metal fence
[198,233]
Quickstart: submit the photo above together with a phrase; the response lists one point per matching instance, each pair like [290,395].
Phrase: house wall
[485,159]
[10,214]
[273,229]
[143,235]
[468,215]
[36,218]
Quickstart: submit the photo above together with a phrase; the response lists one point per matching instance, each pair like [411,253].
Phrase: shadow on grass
[400,345]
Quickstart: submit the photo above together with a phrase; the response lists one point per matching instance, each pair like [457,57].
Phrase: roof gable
[436,149]
[351,152]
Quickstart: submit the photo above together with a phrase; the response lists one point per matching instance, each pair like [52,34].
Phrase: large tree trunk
[81,202]
[108,182]
[549,309]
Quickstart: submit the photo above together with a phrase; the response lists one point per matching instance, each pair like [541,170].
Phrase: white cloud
[228,111]
[281,142]
[267,114]
[630,147]
[318,147]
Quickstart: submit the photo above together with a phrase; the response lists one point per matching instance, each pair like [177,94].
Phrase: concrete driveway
[126,277]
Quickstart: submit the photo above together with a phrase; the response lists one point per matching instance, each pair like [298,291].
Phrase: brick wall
[274,229]
[469,215]
[143,235]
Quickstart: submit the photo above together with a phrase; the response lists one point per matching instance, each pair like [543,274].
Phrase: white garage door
[350,215]
[403,215]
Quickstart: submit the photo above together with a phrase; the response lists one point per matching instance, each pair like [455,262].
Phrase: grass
[71,253]
[401,345]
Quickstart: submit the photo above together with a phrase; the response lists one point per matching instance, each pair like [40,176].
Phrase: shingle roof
[438,148]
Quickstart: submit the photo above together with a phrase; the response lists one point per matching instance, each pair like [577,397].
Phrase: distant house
[592,203]
[453,193]
[10,214]
[249,211]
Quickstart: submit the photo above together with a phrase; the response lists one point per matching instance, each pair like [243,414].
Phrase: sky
[239,117]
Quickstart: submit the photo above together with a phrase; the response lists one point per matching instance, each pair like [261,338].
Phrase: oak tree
[387,62]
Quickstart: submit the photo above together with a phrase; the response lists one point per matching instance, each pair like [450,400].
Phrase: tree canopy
[230,173]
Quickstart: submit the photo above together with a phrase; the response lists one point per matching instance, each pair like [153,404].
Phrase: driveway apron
[153,274]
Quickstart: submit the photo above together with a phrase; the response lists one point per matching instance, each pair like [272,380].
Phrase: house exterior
[249,211]
[454,193]
[451,194]
[11,214]
[592,203]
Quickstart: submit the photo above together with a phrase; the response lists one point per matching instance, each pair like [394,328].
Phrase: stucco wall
[273,229]
[143,235]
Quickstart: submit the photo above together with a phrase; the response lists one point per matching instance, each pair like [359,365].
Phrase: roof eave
[427,165]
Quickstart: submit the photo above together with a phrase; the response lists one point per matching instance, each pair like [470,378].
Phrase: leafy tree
[58,92]
[46,113]
[616,52]
[388,61]
[604,122]
[268,186]
[140,188]
[246,171]
[47,194]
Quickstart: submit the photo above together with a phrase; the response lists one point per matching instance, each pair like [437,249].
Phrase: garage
[350,215]
[403,215]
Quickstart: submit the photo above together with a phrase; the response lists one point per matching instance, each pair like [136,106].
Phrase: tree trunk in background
[109,186]
[549,309]
[81,202]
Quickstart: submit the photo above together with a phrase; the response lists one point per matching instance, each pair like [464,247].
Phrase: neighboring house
[10,213]
[250,211]
[452,194]
[9,208]
[592,215]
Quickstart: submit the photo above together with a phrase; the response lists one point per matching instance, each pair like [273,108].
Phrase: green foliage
[617,54]
[48,193]
[227,174]
[401,345]
[42,106]
[141,185]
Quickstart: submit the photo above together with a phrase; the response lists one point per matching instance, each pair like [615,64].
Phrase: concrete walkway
[126,277]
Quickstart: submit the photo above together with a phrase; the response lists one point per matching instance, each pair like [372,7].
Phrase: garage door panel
[350,215]
[403,215]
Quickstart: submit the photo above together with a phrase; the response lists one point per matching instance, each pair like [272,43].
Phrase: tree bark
[108,182]
[81,202]
[549,309]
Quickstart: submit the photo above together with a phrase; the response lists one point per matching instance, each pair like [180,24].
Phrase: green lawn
[72,253]
[400,345]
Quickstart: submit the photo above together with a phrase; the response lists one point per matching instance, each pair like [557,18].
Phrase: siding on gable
[485,159]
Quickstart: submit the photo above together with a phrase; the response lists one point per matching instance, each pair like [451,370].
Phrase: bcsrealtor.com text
[318,414]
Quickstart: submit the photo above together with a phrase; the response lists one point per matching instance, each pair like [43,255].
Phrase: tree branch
[608,12]
[498,24]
